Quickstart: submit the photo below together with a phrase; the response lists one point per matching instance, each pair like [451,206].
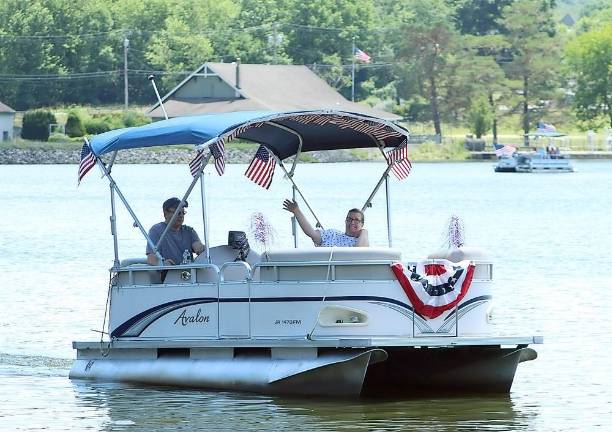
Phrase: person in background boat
[178,239]
[354,234]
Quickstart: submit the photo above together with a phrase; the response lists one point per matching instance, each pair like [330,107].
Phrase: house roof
[262,87]
[5,108]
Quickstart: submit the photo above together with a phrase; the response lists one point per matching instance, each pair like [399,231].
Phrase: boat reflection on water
[127,407]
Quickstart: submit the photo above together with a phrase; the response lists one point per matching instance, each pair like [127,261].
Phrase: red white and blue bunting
[379,131]
[434,286]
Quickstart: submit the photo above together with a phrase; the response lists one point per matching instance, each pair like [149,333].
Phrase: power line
[132,32]
[98,74]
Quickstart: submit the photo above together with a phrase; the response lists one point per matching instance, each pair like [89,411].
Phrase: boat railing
[277,271]
[272,271]
[145,274]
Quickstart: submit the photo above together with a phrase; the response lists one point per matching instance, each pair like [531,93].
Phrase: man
[178,239]
[354,234]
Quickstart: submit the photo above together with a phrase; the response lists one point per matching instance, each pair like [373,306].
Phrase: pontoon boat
[305,321]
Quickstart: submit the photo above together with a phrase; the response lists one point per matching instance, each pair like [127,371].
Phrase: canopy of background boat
[284,133]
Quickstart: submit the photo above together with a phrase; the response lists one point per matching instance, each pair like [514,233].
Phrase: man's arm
[363,239]
[154,235]
[292,206]
[196,244]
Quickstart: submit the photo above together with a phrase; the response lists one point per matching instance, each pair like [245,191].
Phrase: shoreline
[17,156]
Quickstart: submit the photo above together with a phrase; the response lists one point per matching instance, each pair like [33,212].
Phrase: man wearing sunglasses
[178,239]
[354,233]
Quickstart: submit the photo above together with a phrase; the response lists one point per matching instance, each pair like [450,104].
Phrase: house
[7,120]
[225,87]
[568,20]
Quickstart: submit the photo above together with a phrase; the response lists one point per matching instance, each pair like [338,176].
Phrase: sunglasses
[181,213]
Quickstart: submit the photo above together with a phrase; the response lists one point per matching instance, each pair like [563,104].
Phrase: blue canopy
[281,132]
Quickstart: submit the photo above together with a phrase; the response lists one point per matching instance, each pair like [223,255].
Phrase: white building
[7,120]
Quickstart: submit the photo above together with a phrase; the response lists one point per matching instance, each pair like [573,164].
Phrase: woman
[354,233]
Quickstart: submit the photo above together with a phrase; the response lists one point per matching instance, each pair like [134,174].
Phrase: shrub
[96,126]
[134,118]
[480,117]
[74,125]
[36,125]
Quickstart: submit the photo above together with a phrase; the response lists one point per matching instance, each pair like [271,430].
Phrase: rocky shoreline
[17,156]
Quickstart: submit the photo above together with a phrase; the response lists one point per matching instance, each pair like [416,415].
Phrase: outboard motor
[238,240]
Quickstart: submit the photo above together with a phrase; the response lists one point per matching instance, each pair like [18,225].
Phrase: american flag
[88,160]
[398,159]
[504,150]
[261,168]
[196,164]
[546,127]
[362,56]
[218,151]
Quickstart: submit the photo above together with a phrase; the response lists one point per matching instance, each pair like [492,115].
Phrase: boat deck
[437,341]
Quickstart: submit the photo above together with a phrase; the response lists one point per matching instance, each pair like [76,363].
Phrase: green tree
[176,49]
[480,117]
[480,17]
[589,57]
[533,52]
[321,32]
[427,46]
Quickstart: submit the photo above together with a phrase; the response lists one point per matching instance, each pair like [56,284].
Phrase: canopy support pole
[204,210]
[388,197]
[112,161]
[294,221]
[289,175]
[182,203]
[297,189]
[114,186]
[368,202]
[113,222]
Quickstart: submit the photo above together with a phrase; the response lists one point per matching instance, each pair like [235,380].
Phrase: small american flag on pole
[400,164]
[87,162]
[545,127]
[362,56]
[218,151]
[261,168]
[504,150]
[196,163]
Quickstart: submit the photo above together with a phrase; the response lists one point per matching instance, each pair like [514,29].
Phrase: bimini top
[280,132]
[546,134]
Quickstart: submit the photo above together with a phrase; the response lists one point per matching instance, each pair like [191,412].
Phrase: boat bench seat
[327,263]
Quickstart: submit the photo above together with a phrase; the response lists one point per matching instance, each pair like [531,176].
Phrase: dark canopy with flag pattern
[280,132]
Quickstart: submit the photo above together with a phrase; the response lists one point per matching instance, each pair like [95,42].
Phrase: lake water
[548,235]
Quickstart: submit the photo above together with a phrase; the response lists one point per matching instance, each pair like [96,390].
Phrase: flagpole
[353,72]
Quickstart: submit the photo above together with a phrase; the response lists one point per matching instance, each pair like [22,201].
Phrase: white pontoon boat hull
[324,321]
[336,373]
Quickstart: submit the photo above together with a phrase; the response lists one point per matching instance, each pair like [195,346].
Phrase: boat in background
[542,159]
[324,321]
[539,162]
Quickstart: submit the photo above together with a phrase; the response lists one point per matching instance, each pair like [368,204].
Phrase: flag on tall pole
[261,168]
[546,127]
[362,56]
[87,161]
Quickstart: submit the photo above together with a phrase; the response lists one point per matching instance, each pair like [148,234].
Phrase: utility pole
[275,40]
[126,45]
[353,72]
